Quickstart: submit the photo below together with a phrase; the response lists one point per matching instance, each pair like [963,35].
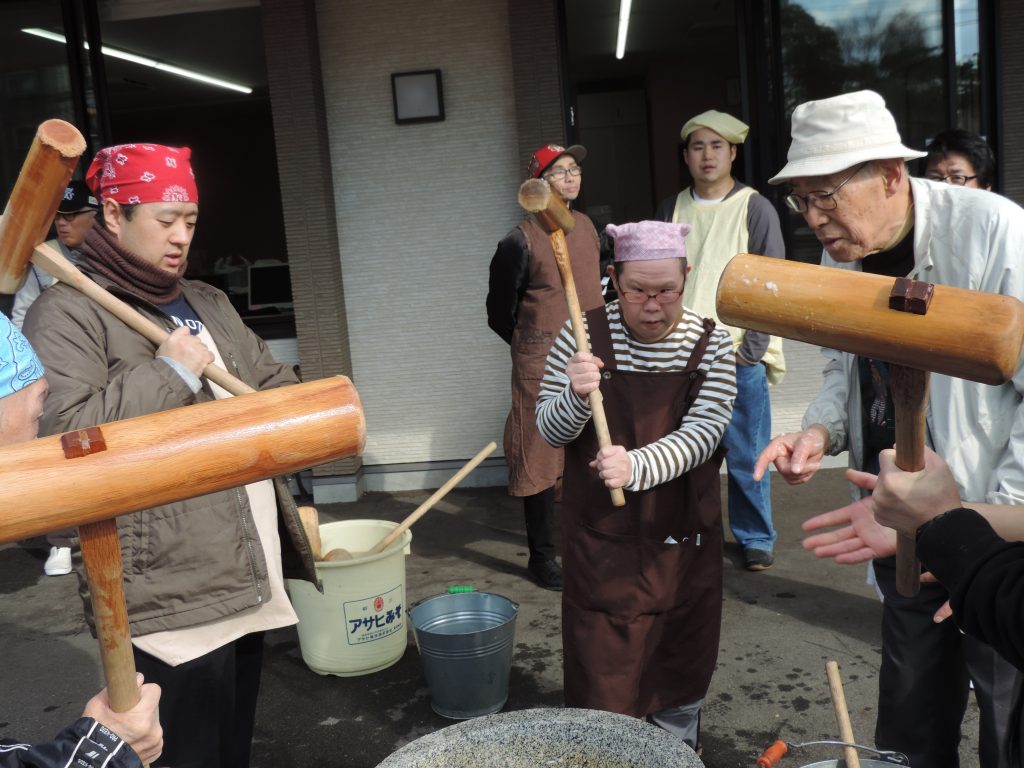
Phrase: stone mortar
[547,738]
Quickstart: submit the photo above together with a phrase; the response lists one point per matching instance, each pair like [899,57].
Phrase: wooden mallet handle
[835,685]
[552,215]
[910,399]
[55,264]
[435,497]
[101,552]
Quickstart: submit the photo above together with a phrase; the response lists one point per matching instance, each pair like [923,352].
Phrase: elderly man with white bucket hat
[847,175]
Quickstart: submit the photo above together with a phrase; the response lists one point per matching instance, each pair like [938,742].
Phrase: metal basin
[547,738]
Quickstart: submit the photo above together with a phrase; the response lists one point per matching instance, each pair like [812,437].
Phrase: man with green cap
[727,218]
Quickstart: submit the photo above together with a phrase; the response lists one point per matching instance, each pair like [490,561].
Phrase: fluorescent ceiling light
[147,62]
[620,45]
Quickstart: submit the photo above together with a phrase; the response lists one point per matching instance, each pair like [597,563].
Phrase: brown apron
[533,465]
[640,617]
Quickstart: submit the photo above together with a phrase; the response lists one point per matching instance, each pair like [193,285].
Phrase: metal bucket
[466,642]
[888,760]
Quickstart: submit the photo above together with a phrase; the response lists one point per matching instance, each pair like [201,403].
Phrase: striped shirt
[562,414]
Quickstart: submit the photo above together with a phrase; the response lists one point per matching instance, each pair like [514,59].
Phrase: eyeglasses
[69,217]
[642,297]
[824,201]
[560,173]
[957,179]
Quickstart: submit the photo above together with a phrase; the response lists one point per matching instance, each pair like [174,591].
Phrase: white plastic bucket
[357,626]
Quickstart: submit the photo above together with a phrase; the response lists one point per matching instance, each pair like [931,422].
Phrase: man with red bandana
[204,578]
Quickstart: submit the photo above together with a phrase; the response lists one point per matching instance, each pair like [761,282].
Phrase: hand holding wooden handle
[55,264]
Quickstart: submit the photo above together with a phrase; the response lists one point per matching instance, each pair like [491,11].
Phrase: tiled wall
[419,209]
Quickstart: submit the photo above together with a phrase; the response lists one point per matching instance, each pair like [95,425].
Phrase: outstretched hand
[860,537]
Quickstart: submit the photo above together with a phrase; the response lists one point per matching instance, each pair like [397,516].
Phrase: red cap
[546,155]
[143,173]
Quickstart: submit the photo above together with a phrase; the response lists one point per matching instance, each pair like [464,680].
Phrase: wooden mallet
[30,210]
[87,477]
[551,213]
[915,327]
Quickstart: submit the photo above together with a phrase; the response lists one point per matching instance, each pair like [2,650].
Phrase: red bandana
[143,173]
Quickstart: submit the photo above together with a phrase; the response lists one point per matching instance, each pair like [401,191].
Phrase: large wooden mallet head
[964,334]
[548,209]
[93,474]
[37,193]
[915,327]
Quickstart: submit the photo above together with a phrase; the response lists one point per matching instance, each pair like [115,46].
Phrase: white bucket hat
[831,135]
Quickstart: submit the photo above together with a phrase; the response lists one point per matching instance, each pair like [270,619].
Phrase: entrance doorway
[681,58]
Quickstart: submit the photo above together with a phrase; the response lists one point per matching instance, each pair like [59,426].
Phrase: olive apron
[640,617]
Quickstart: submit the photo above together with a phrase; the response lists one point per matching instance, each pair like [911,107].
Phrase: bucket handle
[896,758]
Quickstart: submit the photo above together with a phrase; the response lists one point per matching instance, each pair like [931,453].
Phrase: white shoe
[59,561]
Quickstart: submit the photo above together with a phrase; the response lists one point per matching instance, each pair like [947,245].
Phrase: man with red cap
[204,578]
[526,307]
[642,605]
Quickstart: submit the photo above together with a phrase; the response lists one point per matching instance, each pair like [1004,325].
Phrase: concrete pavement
[779,629]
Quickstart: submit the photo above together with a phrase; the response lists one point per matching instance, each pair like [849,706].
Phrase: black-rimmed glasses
[560,173]
[825,201]
[641,297]
[956,179]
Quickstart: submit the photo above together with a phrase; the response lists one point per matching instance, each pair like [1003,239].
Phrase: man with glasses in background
[727,218]
[960,158]
[76,214]
[848,174]
[526,307]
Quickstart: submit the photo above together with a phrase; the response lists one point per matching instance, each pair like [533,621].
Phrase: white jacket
[970,239]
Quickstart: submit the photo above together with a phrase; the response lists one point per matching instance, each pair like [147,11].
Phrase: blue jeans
[750,503]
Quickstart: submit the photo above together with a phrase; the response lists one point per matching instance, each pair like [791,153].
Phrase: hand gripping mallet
[553,216]
[30,210]
[913,326]
[88,476]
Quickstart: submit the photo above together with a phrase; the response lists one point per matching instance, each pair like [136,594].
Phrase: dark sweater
[984,575]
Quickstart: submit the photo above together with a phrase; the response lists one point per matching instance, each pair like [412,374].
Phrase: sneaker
[547,574]
[758,559]
[59,561]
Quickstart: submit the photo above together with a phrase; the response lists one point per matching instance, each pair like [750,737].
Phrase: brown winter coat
[191,561]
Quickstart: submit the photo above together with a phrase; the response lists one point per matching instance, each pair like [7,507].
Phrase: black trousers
[925,678]
[208,705]
[539,511]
